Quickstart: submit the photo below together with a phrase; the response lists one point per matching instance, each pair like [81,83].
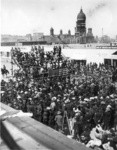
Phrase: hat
[18,97]
[48,108]
[108,109]
[91,98]
[76,110]
[67,101]
[102,102]
[77,114]
[58,113]
[53,98]
[2,92]
[112,96]
[95,97]
[86,99]
[101,97]
[58,100]
[109,106]
[73,98]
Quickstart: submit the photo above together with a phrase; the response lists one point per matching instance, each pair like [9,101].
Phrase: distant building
[89,37]
[37,36]
[105,39]
[80,35]
[80,29]
[61,32]
[12,38]
[96,39]
[51,32]
[69,32]
[28,37]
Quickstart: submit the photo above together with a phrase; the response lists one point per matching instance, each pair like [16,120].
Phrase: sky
[20,17]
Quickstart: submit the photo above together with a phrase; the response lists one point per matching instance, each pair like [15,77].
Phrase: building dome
[81,15]
[51,29]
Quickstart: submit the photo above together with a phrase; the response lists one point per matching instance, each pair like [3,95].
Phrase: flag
[63,72]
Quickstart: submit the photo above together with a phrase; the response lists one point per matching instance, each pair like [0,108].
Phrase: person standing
[107,117]
[58,120]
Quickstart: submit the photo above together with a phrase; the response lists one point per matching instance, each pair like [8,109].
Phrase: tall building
[80,29]
[51,31]
[61,32]
[69,32]
[89,36]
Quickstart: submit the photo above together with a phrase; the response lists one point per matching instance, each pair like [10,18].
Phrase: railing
[41,133]
[106,47]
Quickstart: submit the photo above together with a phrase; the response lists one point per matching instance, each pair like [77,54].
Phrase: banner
[58,72]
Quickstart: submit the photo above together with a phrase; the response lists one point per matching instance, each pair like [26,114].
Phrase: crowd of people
[83,99]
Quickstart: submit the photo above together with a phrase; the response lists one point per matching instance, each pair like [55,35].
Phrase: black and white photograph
[58,75]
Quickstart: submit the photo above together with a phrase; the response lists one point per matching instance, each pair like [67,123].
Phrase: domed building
[80,29]
[80,35]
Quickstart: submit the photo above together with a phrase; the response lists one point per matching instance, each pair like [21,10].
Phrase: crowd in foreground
[82,103]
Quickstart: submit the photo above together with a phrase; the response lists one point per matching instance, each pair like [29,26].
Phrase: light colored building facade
[37,36]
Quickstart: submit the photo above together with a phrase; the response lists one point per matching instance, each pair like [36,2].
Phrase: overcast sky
[20,17]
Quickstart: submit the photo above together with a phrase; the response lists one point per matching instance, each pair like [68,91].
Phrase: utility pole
[102,35]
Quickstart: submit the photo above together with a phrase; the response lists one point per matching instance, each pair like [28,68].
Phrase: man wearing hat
[53,104]
[107,117]
[58,120]
[78,126]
